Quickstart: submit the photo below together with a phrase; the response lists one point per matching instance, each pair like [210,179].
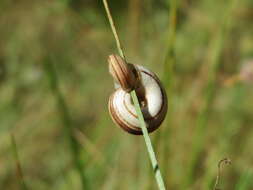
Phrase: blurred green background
[55,87]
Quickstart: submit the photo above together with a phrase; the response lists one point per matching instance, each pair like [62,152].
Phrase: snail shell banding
[151,95]
[122,72]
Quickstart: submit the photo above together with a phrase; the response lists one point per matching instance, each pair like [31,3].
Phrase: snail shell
[152,98]
[122,72]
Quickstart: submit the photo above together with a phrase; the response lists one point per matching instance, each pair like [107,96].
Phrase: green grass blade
[151,152]
[150,149]
[67,121]
[19,170]
[168,79]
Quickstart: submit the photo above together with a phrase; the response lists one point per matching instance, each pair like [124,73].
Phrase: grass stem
[168,79]
[147,139]
[114,31]
[18,165]
[67,121]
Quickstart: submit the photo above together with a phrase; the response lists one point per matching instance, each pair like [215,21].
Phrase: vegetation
[55,87]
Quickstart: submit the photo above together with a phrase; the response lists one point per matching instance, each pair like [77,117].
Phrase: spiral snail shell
[151,95]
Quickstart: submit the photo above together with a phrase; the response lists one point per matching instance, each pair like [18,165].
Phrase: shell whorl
[122,72]
[151,95]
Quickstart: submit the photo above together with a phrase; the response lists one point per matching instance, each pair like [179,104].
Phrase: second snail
[149,90]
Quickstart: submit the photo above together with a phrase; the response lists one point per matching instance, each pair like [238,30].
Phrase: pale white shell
[154,111]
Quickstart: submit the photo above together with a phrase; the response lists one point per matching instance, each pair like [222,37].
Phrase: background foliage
[55,86]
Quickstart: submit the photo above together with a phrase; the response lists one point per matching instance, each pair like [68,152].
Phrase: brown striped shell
[151,95]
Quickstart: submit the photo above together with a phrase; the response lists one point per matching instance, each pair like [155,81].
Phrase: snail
[149,90]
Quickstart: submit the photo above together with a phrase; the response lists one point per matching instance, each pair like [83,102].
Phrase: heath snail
[151,95]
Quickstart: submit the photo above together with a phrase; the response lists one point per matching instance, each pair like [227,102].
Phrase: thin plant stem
[114,31]
[217,181]
[67,121]
[168,79]
[150,149]
[147,139]
[18,165]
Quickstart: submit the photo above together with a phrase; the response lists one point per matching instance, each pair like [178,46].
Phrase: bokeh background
[55,85]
